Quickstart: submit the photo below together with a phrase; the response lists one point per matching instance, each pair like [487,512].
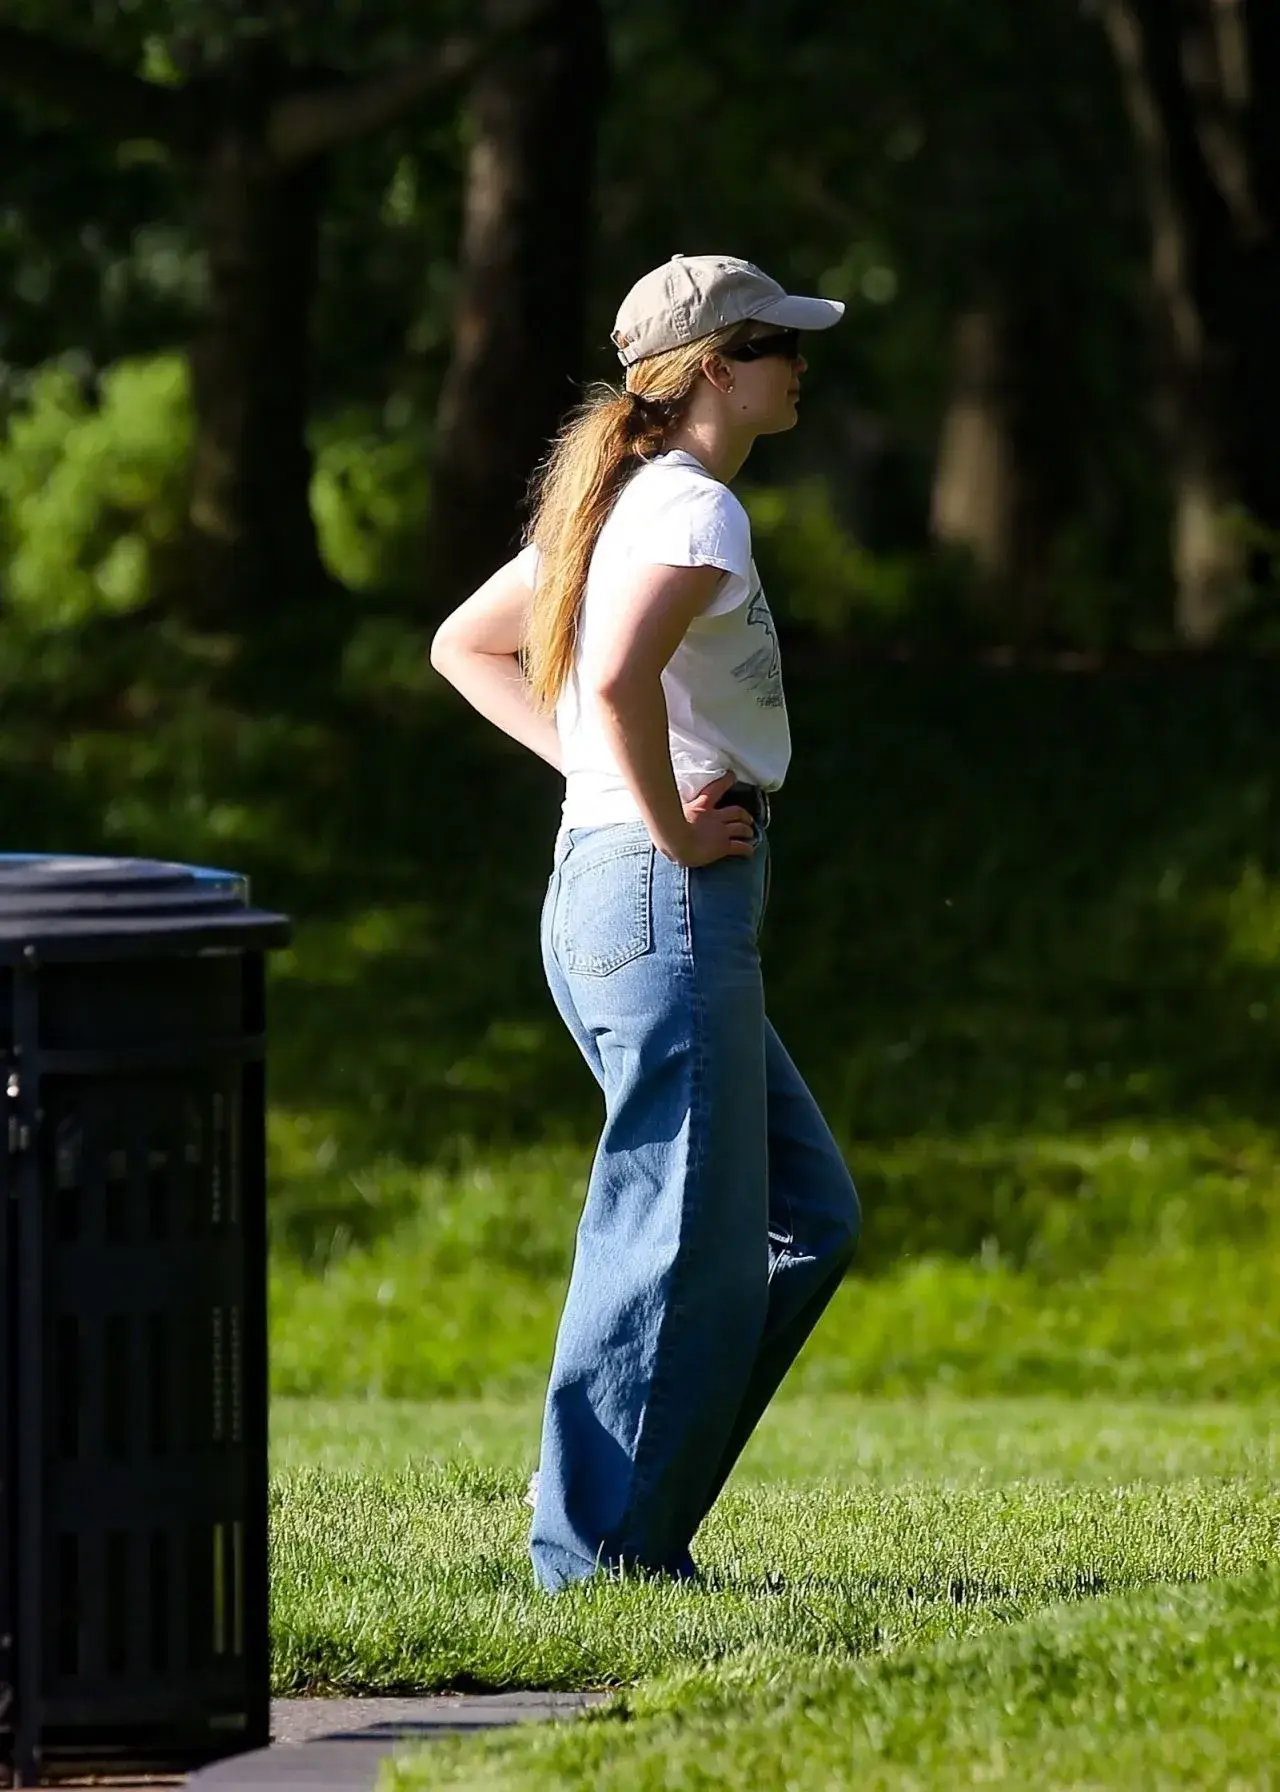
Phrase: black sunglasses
[784,342]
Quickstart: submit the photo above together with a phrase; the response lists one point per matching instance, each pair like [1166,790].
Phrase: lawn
[1023,940]
[928,1580]
[1170,1687]
[1028,963]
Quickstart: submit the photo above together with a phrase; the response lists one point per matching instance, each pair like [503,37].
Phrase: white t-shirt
[723,683]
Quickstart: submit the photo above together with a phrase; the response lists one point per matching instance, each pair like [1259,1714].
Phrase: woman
[630,645]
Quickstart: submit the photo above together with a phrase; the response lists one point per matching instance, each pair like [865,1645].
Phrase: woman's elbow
[616,688]
[607,694]
[443,647]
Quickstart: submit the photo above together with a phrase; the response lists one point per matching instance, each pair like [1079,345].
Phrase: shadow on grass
[1006,907]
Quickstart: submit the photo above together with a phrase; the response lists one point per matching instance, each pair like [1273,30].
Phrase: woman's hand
[712,833]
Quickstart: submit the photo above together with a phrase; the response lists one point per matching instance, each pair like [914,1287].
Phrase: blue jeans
[719,1216]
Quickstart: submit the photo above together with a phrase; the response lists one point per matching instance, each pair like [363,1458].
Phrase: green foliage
[93,489]
[92,493]
[821,578]
[157,37]
[369,500]
[983,160]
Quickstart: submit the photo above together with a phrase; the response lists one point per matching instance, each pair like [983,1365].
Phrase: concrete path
[338,1745]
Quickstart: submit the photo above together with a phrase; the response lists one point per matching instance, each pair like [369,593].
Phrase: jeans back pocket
[605,911]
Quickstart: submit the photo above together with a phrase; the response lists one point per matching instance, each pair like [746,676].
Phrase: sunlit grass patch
[848,1531]
[831,1438]
[460,1293]
[1169,1686]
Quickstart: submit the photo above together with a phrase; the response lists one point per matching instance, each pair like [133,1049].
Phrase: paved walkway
[337,1745]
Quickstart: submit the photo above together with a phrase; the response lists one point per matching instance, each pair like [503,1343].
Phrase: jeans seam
[789,1232]
[674,1308]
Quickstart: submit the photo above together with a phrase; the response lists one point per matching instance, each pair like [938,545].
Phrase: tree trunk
[1209,554]
[975,485]
[1003,467]
[253,543]
[1200,79]
[259,130]
[521,288]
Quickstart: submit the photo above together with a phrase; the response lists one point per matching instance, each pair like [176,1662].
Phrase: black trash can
[133,1372]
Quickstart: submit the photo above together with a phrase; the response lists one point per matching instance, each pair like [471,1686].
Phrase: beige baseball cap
[691,295]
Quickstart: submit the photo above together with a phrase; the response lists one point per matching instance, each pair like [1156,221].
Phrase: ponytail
[578,484]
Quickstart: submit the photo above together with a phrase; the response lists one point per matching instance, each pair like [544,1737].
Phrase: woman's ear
[719,373]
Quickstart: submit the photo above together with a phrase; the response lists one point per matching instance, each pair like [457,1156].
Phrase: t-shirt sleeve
[701,523]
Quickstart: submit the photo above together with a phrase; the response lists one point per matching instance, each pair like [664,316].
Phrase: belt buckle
[765,808]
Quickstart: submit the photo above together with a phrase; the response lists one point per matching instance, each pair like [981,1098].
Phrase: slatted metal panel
[136,1427]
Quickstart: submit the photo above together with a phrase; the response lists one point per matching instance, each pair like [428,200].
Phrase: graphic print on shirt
[761,671]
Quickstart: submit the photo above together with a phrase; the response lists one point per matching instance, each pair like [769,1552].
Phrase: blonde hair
[577,485]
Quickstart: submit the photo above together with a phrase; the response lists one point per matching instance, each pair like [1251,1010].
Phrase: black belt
[749,797]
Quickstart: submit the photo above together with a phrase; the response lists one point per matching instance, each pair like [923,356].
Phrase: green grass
[399,1555]
[1024,940]
[1031,974]
[855,1442]
[898,1594]
[1172,1686]
[422,1313]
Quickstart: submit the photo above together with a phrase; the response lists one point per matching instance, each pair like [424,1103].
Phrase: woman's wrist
[672,841]
[635,727]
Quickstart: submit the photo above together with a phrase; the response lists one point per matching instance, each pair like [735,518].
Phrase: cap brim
[800,314]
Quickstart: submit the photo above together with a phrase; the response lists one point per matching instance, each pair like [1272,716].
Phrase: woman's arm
[649,623]
[475,648]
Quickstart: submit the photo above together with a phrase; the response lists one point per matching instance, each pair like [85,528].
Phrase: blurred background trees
[370,258]
[1201,80]
[292,296]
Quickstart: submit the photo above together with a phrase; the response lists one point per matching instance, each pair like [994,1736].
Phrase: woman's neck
[721,450]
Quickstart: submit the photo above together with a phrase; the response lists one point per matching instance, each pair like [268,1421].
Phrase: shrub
[92,491]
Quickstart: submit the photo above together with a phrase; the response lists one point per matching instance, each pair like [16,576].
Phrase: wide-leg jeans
[719,1216]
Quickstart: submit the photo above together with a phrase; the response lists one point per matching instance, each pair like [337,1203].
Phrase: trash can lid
[68,906]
